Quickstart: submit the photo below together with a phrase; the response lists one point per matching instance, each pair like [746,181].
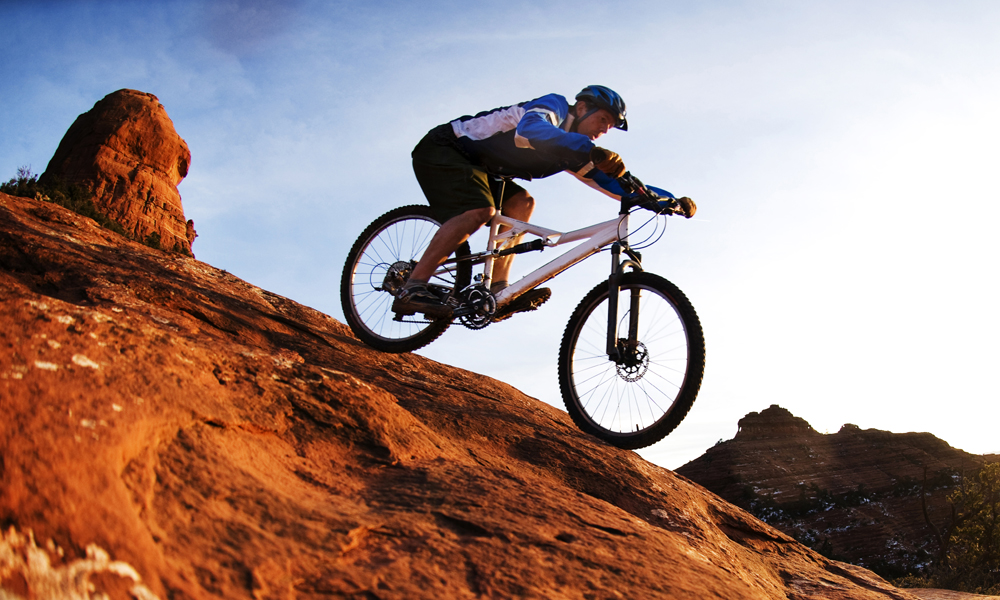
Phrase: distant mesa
[127,152]
[854,495]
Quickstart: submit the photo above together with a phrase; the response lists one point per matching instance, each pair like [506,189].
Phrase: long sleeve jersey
[529,140]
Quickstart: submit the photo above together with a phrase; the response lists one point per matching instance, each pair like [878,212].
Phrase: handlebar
[638,195]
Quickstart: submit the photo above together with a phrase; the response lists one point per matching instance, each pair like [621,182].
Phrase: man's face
[596,124]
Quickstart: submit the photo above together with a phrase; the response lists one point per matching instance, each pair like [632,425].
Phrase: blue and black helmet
[606,98]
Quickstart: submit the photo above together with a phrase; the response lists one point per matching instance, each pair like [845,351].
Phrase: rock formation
[775,422]
[171,431]
[127,152]
[854,494]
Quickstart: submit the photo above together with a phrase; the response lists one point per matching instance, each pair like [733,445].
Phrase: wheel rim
[398,242]
[641,391]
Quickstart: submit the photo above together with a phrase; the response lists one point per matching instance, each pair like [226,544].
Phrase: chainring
[484,304]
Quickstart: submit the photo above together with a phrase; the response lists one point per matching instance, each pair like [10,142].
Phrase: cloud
[243,26]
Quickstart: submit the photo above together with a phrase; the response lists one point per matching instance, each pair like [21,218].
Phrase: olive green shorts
[451,183]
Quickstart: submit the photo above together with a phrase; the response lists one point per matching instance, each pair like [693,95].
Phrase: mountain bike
[633,353]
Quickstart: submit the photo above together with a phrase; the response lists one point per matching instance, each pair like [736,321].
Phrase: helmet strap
[587,114]
[572,121]
[577,120]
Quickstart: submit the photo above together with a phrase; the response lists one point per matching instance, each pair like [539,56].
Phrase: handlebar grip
[663,206]
[630,183]
[644,197]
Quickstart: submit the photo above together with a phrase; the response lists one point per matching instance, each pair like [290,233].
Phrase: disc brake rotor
[635,363]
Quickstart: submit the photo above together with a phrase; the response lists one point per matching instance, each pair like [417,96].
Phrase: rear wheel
[638,400]
[378,264]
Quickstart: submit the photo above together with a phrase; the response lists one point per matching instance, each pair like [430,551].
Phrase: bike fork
[614,285]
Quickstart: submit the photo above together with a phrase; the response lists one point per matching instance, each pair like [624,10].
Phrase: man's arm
[608,185]
[540,129]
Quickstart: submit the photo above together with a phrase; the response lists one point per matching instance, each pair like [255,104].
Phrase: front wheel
[643,395]
[379,264]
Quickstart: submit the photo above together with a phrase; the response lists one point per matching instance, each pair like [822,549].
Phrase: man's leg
[452,233]
[458,191]
[520,206]
[414,296]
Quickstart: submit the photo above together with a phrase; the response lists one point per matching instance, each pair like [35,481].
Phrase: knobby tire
[637,404]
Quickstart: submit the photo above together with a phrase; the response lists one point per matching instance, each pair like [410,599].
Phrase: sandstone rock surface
[126,150]
[948,595]
[172,431]
[854,494]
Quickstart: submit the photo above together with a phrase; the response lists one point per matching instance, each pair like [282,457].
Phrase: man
[459,164]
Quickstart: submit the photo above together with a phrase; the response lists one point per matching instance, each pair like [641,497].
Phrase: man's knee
[520,205]
[480,215]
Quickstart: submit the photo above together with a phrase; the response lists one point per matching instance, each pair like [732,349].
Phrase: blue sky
[843,259]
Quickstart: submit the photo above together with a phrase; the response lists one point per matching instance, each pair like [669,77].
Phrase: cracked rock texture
[220,441]
[126,150]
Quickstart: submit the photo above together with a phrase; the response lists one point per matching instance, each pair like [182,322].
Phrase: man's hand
[607,161]
[688,206]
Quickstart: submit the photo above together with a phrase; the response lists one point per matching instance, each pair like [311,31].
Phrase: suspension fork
[618,267]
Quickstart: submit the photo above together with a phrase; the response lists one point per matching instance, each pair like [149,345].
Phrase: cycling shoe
[418,299]
[527,301]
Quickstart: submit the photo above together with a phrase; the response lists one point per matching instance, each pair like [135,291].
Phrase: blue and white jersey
[531,139]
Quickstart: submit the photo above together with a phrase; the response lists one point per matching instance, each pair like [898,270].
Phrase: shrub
[24,185]
[972,560]
[153,240]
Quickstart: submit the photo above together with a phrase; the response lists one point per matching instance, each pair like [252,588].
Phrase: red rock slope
[171,431]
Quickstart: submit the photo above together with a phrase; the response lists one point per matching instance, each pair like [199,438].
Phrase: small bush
[153,240]
[914,581]
[25,185]
[972,561]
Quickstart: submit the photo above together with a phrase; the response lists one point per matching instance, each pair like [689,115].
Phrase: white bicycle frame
[596,237]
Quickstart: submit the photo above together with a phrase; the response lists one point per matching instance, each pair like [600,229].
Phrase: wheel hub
[634,362]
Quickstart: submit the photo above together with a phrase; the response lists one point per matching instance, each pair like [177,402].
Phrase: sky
[842,155]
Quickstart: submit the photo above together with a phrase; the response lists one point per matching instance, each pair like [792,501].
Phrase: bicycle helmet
[601,97]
